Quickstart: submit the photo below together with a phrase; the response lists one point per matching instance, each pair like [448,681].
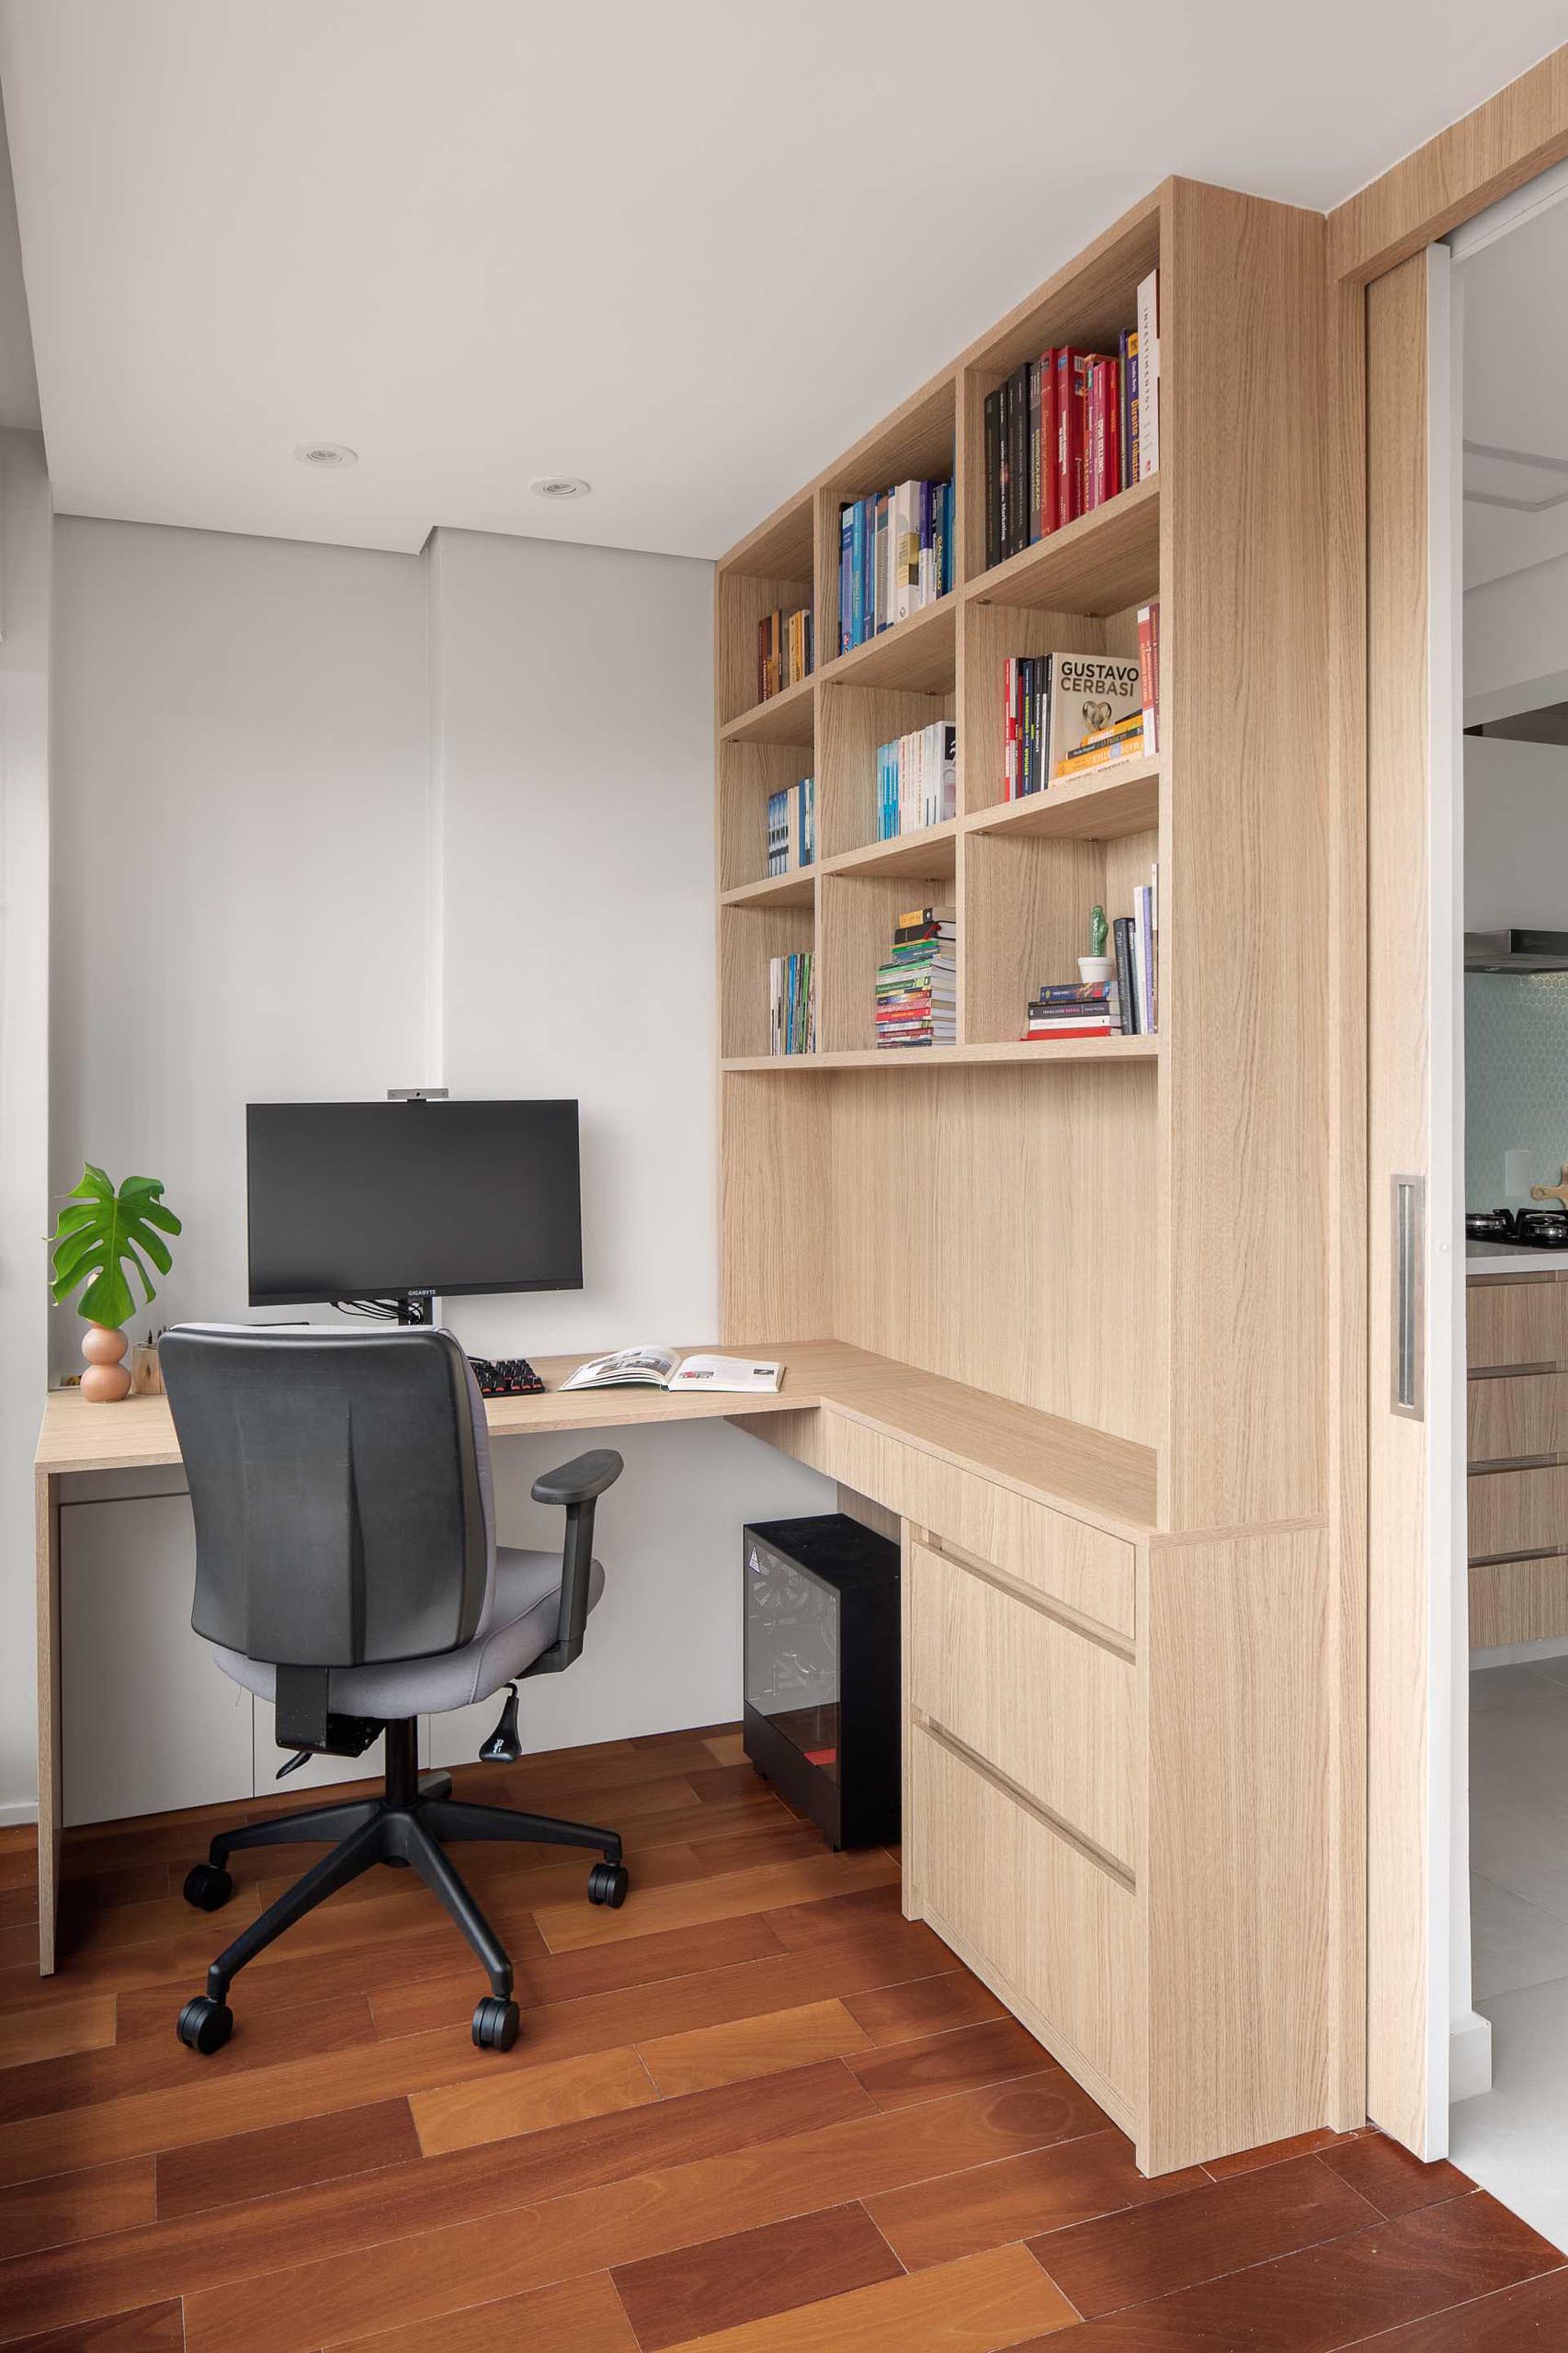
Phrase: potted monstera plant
[99,1233]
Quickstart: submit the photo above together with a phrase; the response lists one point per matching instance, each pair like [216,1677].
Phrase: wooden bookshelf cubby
[1115,1243]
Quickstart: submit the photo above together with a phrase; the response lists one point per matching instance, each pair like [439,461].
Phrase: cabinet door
[150,1720]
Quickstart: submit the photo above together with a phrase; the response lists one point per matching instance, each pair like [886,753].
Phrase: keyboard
[506,1377]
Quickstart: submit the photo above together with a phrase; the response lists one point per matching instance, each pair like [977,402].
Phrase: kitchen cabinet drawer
[1052,1710]
[1049,1925]
[1517,1601]
[1518,1415]
[1085,1568]
[1518,1511]
[1522,1323]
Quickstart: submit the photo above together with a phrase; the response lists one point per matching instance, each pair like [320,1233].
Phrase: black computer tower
[822,1672]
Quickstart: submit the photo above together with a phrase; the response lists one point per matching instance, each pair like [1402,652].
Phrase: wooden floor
[755,2112]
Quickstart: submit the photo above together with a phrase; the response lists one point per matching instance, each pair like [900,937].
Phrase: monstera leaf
[100,1232]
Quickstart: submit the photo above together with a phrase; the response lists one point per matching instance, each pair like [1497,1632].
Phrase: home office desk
[1028,1453]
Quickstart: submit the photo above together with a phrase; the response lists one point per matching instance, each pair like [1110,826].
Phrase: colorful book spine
[1149,376]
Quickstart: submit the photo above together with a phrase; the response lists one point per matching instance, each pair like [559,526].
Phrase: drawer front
[1050,1925]
[1050,1709]
[1521,1414]
[1517,1601]
[1518,1511]
[1524,1323]
[1085,1568]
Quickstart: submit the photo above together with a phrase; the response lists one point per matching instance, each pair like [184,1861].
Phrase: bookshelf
[1123,1240]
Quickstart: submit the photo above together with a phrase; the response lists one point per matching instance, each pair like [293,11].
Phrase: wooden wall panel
[997,1226]
[1239,1843]
[1244,943]
[1517,1601]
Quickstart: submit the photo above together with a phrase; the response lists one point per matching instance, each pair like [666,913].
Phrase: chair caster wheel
[494,2023]
[204,2025]
[607,1883]
[207,1886]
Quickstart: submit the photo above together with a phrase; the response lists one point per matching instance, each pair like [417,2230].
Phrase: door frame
[1402,1769]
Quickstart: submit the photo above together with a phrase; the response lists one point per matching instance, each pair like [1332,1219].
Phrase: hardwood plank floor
[755,2112]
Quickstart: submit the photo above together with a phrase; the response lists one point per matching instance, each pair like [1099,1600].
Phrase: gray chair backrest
[339,1488]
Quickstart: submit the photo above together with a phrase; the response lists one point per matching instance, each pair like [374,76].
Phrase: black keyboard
[507,1377]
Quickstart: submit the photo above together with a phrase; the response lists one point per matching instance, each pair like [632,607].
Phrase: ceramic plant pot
[107,1380]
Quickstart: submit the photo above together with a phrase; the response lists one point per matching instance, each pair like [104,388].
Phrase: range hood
[1516,951]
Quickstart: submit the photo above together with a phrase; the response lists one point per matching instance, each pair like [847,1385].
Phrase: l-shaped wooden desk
[1113,1794]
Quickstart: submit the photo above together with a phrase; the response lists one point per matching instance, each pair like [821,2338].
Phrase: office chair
[346,1569]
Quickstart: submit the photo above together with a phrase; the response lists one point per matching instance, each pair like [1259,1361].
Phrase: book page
[649,1365]
[740,1374]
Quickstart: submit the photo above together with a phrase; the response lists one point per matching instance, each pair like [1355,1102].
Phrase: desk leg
[49,1806]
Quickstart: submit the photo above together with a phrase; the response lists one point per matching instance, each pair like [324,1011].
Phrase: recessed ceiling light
[325,453]
[560,486]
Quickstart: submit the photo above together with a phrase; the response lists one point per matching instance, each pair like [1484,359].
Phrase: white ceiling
[1515,365]
[687,250]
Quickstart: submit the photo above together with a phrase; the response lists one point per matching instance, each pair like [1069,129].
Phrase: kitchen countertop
[1507,1258]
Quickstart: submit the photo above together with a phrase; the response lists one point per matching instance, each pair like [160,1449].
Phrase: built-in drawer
[1518,1511]
[1517,1413]
[1051,1708]
[1516,1322]
[1084,1567]
[1048,1925]
[1517,1601]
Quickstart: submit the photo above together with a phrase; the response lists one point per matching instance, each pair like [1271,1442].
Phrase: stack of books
[784,651]
[792,1005]
[917,987]
[1074,1009]
[895,555]
[1066,712]
[793,826]
[1127,1007]
[1067,431]
[916,779]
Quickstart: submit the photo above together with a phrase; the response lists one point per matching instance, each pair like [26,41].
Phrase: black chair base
[409,1825]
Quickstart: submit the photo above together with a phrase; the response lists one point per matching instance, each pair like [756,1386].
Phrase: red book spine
[1154,624]
[1113,471]
[1051,499]
[1065,453]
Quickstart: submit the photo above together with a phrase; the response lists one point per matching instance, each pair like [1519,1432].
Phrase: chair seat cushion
[521,1625]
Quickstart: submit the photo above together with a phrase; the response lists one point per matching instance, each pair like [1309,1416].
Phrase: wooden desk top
[1082,1472]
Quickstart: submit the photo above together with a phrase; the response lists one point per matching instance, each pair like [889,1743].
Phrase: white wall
[241,766]
[329,822]
[24,1075]
[1515,642]
[1515,832]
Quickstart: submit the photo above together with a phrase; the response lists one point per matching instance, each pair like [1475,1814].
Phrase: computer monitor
[398,1202]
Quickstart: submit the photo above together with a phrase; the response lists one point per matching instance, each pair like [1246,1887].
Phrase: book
[1090,693]
[793,826]
[784,651]
[791,1004]
[895,556]
[917,779]
[1149,376]
[1122,936]
[1149,670]
[1119,742]
[654,1367]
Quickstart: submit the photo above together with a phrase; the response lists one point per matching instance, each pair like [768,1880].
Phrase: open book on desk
[657,1368]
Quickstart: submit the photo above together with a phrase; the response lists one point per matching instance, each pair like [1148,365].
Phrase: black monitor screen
[363,1200]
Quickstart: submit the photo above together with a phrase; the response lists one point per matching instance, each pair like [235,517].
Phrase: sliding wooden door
[1415,1264]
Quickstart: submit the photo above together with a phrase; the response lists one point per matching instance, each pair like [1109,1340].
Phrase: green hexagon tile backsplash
[1516,1080]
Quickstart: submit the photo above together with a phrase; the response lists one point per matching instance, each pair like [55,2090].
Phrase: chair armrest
[579,1481]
